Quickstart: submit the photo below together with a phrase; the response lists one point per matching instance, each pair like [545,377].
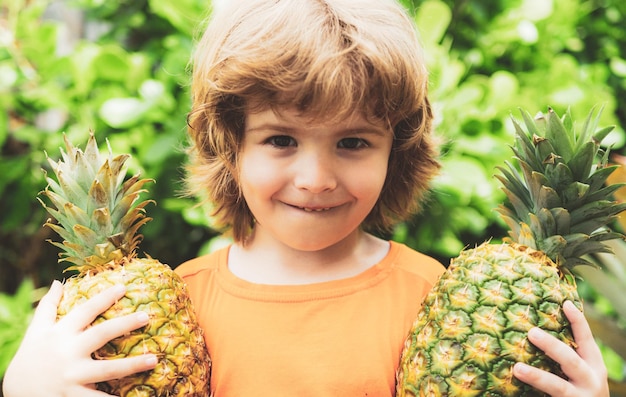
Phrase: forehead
[292,117]
[258,111]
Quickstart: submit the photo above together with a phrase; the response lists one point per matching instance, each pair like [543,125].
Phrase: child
[311,129]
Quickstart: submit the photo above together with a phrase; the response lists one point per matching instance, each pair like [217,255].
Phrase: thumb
[46,312]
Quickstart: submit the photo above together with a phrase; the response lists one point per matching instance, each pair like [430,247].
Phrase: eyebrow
[364,129]
[271,126]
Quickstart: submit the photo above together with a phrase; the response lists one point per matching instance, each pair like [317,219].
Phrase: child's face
[309,184]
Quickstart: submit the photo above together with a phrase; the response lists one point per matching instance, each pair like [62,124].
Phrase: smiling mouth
[314,209]
[310,208]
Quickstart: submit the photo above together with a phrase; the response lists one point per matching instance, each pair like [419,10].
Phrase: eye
[352,143]
[281,141]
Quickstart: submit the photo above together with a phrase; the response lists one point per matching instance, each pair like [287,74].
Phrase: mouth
[307,209]
[312,208]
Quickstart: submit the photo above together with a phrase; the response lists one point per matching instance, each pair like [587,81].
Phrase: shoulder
[416,263]
[202,264]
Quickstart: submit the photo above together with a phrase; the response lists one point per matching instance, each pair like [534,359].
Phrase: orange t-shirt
[336,338]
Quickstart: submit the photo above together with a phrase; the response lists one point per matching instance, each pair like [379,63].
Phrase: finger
[46,312]
[545,381]
[574,366]
[104,370]
[571,363]
[98,335]
[85,313]
[552,346]
[587,347]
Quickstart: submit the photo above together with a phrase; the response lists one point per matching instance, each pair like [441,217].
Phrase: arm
[584,366]
[54,359]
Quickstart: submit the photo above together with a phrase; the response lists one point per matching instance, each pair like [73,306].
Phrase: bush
[121,70]
[126,81]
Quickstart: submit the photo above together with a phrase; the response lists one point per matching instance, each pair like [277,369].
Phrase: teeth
[315,210]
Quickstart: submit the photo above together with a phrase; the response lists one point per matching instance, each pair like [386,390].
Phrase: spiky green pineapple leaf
[559,176]
[582,162]
[97,210]
[552,245]
[600,177]
[556,198]
[559,135]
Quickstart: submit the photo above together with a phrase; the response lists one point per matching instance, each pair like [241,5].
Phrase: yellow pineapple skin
[472,325]
[172,332]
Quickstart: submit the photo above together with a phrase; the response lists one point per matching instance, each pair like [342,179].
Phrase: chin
[314,246]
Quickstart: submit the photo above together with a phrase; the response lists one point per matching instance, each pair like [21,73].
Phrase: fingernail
[119,289]
[142,317]
[570,305]
[521,368]
[536,333]
[55,285]
[151,360]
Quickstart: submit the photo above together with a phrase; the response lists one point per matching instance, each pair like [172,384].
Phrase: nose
[315,172]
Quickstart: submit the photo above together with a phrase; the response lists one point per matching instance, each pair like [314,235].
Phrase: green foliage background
[120,68]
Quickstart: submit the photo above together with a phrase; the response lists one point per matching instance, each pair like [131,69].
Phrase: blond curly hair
[326,58]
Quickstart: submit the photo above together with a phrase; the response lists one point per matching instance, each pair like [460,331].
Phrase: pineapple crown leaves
[97,213]
[558,200]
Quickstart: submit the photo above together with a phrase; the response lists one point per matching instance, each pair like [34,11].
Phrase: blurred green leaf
[123,112]
[433,18]
[466,177]
[111,63]
[11,170]
[618,66]
[185,15]
[15,314]
[614,363]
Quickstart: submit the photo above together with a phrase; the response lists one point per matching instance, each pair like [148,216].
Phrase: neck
[267,261]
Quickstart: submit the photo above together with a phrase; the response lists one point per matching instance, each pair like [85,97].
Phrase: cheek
[367,182]
[258,175]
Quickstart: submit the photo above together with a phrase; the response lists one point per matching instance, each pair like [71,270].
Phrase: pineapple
[98,220]
[472,326]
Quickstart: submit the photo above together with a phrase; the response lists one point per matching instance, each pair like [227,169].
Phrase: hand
[54,359]
[584,366]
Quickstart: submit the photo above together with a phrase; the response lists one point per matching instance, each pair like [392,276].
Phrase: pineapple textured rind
[472,326]
[98,218]
[171,334]
[455,352]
